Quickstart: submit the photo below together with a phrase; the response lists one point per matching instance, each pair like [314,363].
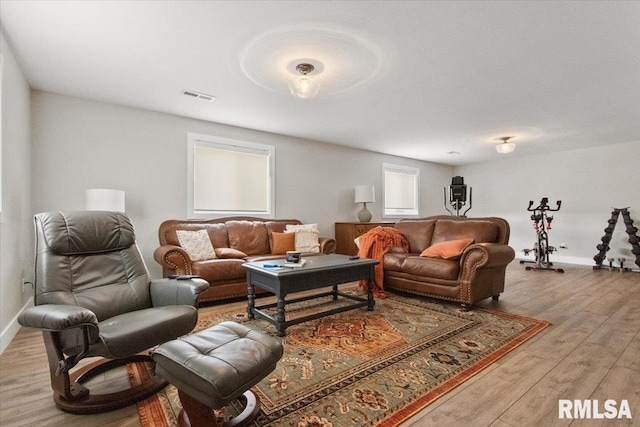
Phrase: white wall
[80,144]
[16,229]
[590,182]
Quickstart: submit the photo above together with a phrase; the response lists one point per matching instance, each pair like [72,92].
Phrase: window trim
[201,140]
[406,213]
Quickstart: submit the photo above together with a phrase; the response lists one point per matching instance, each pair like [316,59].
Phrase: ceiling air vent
[199,95]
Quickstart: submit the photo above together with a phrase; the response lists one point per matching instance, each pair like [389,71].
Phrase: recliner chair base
[197,414]
[78,399]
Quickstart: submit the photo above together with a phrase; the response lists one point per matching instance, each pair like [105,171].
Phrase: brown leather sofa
[236,240]
[479,272]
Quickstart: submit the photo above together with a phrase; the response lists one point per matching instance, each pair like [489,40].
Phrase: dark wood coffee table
[318,272]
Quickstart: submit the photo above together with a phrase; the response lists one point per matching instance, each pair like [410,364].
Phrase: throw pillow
[197,244]
[306,237]
[229,253]
[282,242]
[450,249]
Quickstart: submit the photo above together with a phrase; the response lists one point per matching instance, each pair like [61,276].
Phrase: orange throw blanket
[375,244]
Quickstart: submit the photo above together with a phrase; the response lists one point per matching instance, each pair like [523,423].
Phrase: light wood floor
[591,351]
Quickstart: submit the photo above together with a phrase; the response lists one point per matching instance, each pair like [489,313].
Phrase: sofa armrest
[327,245]
[482,271]
[173,258]
[487,255]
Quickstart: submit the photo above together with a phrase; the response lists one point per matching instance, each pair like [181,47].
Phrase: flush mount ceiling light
[303,86]
[343,59]
[505,147]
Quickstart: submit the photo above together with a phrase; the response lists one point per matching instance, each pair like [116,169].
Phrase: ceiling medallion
[341,59]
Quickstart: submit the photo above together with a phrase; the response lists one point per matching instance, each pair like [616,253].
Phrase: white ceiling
[447,76]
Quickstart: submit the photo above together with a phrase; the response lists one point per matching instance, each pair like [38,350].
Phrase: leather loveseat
[478,272]
[235,240]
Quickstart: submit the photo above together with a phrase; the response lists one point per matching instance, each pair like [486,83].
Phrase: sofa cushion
[393,261]
[418,234]
[250,237]
[449,249]
[280,225]
[217,270]
[217,233]
[478,230]
[196,244]
[437,268]
[282,242]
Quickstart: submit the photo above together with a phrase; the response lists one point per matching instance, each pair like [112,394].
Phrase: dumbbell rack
[608,233]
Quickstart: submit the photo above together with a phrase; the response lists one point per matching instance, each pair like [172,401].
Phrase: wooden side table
[347,231]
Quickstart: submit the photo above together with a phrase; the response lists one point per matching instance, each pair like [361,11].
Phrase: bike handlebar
[543,206]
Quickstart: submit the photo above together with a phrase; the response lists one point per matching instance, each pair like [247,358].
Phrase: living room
[55,146]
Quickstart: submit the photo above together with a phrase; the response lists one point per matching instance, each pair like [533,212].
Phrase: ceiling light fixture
[304,86]
[505,147]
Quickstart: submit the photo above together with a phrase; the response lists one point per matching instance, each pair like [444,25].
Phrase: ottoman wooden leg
[196,414]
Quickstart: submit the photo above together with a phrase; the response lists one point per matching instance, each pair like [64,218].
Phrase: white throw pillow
[197,244]
[307,237]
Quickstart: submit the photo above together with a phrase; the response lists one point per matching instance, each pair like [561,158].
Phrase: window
[229,177]
[400,191]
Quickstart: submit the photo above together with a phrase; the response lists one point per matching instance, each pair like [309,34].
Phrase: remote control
[354,257]
[270,265]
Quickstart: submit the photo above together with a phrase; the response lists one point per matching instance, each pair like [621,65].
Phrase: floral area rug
[363,368]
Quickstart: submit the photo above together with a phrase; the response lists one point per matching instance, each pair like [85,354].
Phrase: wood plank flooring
[591,351]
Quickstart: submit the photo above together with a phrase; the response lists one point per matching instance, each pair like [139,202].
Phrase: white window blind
[229,177]
[401,191]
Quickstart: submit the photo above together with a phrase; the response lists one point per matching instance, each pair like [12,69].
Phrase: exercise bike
[542,223]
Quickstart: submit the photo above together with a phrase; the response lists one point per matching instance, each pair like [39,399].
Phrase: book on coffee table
[295,264]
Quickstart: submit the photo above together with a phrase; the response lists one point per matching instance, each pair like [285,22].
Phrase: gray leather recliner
[94,297]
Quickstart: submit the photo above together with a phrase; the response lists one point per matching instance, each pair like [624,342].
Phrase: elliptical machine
[458,196]
[542,223]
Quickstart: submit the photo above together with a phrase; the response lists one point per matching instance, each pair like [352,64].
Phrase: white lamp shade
[103,199]
[365,194]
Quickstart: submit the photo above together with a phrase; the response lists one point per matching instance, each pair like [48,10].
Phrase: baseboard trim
[560,259]
[12,329]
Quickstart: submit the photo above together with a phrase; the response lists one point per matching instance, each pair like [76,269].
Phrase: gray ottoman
[213,367]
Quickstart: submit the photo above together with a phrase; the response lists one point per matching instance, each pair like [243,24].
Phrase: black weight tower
[542,223]
[608,232]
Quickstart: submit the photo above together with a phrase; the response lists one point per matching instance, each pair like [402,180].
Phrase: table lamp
[365,194]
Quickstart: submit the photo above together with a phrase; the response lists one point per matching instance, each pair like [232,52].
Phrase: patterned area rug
[363,368]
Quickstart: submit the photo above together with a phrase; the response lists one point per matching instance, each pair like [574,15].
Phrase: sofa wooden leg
[495,297]
[465,307]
